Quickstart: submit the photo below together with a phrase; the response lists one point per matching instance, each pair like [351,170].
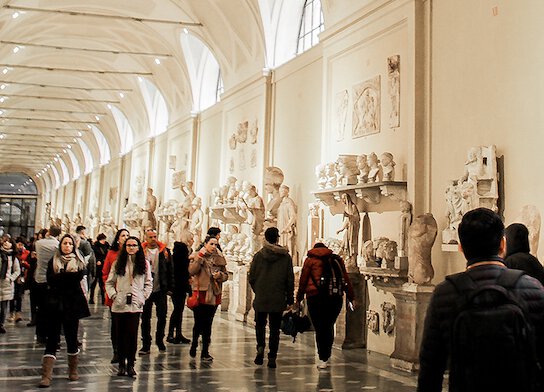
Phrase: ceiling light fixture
[15,15]
[109,106]
[3,86]
[157,61]
[5,71]
[122,95]
[79,134]
[16,49]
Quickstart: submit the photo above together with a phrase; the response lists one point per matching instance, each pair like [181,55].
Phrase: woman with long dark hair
[118,241]
[208,271]
[65,305]
[129,285]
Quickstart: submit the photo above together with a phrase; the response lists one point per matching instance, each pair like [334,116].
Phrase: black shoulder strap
[462,282]
[509,278]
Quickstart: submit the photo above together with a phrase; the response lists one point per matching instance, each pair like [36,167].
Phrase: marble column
[412,301]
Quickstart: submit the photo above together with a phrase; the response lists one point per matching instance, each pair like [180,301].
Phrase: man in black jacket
[271,278]
[160,261]
[481,233]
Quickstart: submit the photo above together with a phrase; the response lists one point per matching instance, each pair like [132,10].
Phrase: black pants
[127,336]
[40,294]
[70,326]
[174,327]
[161,307]
[203,325]
[33,304]
[324,311]
[260,331]
[17,301]
[113,330]
[97,279]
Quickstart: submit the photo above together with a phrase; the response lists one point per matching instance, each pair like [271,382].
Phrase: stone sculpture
[373,321]
[241,132]
[330,172]
[375,173]
[421,236]
[393,79]
[66,224]
[315,223]
[386,252]
[369,254]
[320,173]
[364,169]
[388,166]
[350,227]
[287,221]
[78,221]
[273,178]
[197,219]
[530,217]
[388,317]
[253,133]
[148,219]
[366,107]
[405,221]
[256,217]
[346,166]
[341,105]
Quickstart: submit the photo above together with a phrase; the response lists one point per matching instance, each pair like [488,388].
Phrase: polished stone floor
[233,347]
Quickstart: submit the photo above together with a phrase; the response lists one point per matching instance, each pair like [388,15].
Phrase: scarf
[68,263]
[4,260]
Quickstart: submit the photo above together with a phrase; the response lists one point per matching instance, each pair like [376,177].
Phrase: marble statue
[180,223]
[334,244]
[530,217]
[132,216]
[77,220]
[253,133]
[232,193]
[232,142]
[421,236]
[241,132]
[287,221]
[366,107]
[405,221]
[341,102]
[197,219]
[315,223]
[320,173]
[350,227]
[388,317]
[373,321]
[386,252]
[393,79]
[369,254]
[330,171]
[388,166]
[94,224]
[66,224]
[379,249]
[108,225]
[375,173]
[256,217]
[148,219]
[347,171]
[364,169]
[273,178]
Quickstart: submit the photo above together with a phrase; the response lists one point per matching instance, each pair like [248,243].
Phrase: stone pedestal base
[355,327]
[412,301]
[244,294]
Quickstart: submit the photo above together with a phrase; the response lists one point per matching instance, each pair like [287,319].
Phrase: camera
[129,298]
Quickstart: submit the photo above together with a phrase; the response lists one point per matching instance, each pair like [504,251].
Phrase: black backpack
[492,339]
[332,280]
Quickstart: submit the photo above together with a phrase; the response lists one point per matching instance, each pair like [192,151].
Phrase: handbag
[192,301]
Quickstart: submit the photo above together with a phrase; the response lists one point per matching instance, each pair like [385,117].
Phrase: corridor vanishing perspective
[231,370]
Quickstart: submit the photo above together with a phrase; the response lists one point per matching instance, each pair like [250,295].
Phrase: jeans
[260,331]
[161,307]
[17,301]
[324,310]
[70,327]
[176,317]
[127,336]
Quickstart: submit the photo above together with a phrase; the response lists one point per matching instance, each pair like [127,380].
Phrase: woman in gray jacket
[129,285]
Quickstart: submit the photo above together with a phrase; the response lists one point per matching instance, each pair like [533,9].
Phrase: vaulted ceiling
[62,62]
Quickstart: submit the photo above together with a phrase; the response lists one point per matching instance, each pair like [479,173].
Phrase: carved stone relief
[388,317]
[393,80]
[373,321]
[341,109]
[366,107]
[530,217]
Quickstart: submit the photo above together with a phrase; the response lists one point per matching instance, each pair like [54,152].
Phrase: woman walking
[9,272]
[65,305]
[208,269]
[129,285]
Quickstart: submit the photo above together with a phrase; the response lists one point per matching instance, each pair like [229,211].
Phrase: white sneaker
[323,364]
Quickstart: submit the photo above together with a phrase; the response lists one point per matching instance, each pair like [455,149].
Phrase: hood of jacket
[161,245]
[517,239]
[319,252]
[271,252]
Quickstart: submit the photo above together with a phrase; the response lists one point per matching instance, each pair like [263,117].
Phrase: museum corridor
[233,348]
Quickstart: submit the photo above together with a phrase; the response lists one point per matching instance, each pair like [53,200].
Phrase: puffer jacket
[271,278]
[313,267]
[441,312]
[201,268]
[119,286]
[518,254]
[13,270]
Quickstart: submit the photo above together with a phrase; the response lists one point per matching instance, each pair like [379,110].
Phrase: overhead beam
[47,120]
[44,85]
[59,98]
[73,48]
[42,127]
[25,109]
[79,70]
[105,16]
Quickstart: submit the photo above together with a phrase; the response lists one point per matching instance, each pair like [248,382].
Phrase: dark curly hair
[115,245]
[140,266]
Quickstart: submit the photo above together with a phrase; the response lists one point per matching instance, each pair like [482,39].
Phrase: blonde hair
[185,236]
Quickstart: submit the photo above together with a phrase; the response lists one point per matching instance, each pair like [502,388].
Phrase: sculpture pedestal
[244,294]
[355,327]
[412,301]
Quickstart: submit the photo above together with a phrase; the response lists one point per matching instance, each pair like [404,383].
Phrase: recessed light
[157,61]
[15,15]
[16,49]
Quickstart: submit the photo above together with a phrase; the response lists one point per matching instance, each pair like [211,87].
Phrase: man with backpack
[486,325]
[324,280]
[271,278]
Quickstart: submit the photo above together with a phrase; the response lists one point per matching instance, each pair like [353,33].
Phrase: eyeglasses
[132,245]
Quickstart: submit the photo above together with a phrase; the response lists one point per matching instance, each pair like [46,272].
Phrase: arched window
[311,25]
[75,164]
[125,130]
[87,156]
[65,175]
[156,107]
[103,145]
[203,70]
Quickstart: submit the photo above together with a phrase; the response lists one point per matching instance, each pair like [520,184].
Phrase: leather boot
[72,367]
[48,361]
[130,369]
[18,317]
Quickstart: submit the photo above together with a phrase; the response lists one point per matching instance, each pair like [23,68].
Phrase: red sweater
[111,257]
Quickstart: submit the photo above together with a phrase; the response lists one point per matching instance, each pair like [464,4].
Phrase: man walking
[272,280]
[485,324]
[160,260]
[45,249]
[86,250]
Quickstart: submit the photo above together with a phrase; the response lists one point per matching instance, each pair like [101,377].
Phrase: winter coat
[111,257]
[313,268]
[10,264]
[65,296]
[45,249]
[180,261]
[86,250]
[166,273]
[271,278]
[119,286]
[434,353]
[201,268]
[517,252]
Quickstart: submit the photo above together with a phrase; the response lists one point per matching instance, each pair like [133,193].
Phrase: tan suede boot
[72,367]
[48,362]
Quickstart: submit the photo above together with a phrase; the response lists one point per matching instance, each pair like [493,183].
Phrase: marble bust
[375,174]
[364,169]
[388,166]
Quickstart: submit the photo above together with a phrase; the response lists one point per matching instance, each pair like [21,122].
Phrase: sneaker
[170,339]
[192,352]
[206,358]
[183,340]
[144,351]
[161,346]
[323,364]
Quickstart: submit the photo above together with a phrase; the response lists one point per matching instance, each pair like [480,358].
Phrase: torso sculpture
[421,236]
[148,219]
